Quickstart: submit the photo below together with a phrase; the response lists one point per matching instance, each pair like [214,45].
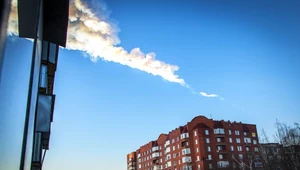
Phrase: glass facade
[27,70]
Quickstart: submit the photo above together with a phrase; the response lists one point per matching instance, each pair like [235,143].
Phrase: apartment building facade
[199,145]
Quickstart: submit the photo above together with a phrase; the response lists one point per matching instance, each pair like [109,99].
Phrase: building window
[160,160]
[186,151]
[177,146]
[167,150]
[184,135]
[247,148]
[219,131]
[220,148]
[173,140]
[178,162]
[197,150]
[254,142]
[186,159]
[174,155]
[210,166]
[238,140]
[209,157]
[196,141]
[245,133]
[208,149]
[198,158]
[207,140]
[218,139]
[237,132]
[173,148]
[247,140]
[231,148]
[206,132]
[159,153]
[253,134]
[195,133]
[256,149]
[220,156]
[239,148]
[229,132]
[230,140]
[241,156]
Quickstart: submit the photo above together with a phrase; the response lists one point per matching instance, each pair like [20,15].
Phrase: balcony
[184,136]
[186,159]
[131,163]
[223,164]
[156,167]
[222,143]
[155,149]
[247,143]
[186,151]
[222,151]
[155,162]
[184,144]
[155,155]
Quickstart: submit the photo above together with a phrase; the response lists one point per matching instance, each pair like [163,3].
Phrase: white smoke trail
[94,34]
[98,37]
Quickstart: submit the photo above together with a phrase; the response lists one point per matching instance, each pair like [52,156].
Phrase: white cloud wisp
[207,95]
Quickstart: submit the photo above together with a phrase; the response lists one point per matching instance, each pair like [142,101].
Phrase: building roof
[245,128]
[218,124]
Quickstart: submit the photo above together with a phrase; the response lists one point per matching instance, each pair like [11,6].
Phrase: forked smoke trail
[98,37]
[95,34]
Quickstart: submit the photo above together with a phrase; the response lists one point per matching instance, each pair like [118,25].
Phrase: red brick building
[199,145]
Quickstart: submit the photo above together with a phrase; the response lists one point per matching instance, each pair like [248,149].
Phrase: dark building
[25,135]
[199,145]
[279,157]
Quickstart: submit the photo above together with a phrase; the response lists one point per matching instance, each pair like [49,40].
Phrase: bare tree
[289,138]
[285,153]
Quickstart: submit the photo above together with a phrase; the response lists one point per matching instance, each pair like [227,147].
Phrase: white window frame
[207,140]
[206,132]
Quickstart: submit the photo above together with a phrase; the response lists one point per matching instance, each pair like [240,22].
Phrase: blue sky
[245,51]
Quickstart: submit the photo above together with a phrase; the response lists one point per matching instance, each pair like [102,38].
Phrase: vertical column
[45,104]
